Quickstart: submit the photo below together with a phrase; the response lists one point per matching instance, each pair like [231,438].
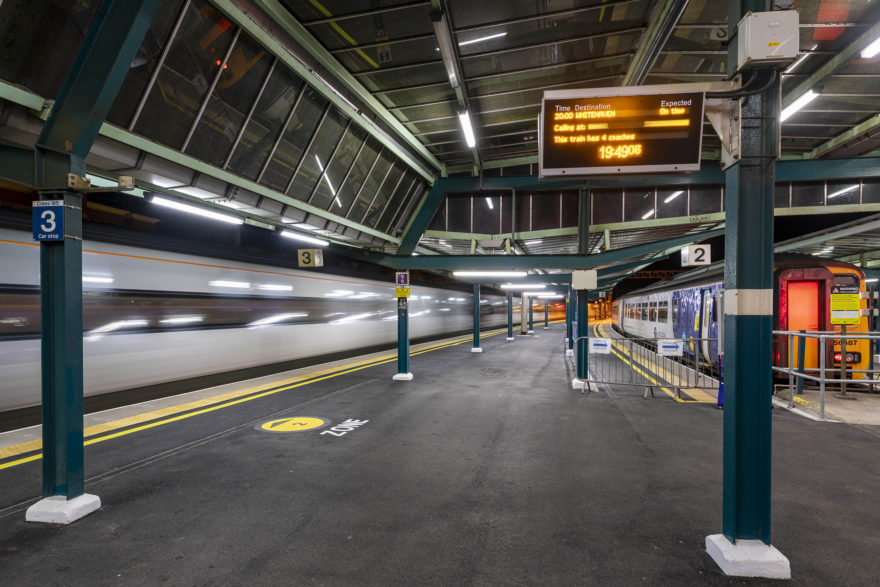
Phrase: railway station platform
[485,469]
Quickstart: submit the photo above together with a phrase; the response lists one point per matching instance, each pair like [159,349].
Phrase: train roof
[714,273]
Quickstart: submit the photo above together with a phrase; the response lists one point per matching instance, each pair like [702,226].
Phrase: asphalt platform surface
[486,469]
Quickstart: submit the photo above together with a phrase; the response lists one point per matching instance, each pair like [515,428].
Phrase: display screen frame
[686,151]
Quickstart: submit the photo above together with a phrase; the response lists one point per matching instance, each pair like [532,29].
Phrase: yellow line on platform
[92,433]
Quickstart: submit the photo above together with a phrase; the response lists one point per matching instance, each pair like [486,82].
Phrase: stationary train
[691,305]
[152,317]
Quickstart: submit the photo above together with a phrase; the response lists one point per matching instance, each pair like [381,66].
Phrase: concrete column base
[510,338]
[747,558]
[569,352]
[580,384]
[403,377]
[476,349]
[60,510]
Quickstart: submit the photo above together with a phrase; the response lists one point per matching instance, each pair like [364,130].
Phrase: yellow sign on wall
[310,257]
[402,292]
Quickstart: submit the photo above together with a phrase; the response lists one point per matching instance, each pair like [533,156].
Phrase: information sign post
[510,316]
[402,294]
[845,311]
[476,348]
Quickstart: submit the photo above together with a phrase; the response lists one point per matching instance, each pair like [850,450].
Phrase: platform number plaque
[48,220]
[694,255]
[310,257]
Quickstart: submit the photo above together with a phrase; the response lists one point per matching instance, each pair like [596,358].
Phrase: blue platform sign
[48,220]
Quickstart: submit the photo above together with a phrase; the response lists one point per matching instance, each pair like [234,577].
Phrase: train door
[803,314]
[705,321]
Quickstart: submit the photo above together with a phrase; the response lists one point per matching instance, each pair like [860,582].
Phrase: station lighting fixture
[275,287]
[845,190]
[197,210]
[872,280]
[871,49]
[648,214]
[306,239]
[537,241]
[672,196]
[522,286]
[465,120]
[799,60]
[489,273]
[533,294]
[549,296]
[797,105]
[232,284]
[481,39]
[94,279]
[489,203]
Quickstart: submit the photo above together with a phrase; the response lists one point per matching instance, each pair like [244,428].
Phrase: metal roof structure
[342,118]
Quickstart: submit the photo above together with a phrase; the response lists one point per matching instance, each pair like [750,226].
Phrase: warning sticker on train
[298,424]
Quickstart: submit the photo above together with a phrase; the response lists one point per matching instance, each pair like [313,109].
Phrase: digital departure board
[583,133]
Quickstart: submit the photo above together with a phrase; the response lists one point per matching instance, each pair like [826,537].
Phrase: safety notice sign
[845,305]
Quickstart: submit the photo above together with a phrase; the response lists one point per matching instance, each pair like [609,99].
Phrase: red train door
[803,314]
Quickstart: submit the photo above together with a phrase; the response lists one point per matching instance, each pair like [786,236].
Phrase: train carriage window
[675,310]
[644,311]
[652,312]
[663,312]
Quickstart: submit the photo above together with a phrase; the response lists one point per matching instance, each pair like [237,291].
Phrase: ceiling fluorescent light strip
[489,273]
[197,210]
[306,239]
[468,130]
[797,105]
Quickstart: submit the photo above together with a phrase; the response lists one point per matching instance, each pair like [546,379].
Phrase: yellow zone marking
[214,403]
[293,424]
[700,397]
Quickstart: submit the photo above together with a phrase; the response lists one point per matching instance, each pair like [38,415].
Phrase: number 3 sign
[310,257]
[48,220]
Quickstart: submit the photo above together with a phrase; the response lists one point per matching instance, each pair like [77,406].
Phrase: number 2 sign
[696,255]
[48,220]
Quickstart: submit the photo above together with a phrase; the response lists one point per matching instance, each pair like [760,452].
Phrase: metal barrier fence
[827,372]
[677,364]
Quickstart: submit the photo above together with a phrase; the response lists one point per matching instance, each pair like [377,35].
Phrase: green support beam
[840,59]
[662,22]
[854,133]
[85,99]
[282,17]
[508,262]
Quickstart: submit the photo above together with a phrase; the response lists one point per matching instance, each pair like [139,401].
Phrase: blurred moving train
[153,316]
[689,306]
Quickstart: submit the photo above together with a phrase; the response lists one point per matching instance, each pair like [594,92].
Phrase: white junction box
[585,279]
[767,38]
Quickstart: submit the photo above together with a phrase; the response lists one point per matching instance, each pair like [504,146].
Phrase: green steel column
[546,313]
[583,371]
[510,315]
[748,308]
[403,336]
[476,348]
[569,317]
[583,221]
[62,353]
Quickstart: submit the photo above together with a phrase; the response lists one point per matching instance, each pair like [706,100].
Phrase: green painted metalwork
[138,142]
[583,221]
[854,133]
[402,335]
[748,265]
[509,315]
[663,20]
[85,98]
[569,318]
[583,329]
[498,262]
[422,216]
[476,315]
[283,18]
[17,95]
[841,57]
[17,165]
[62,354]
